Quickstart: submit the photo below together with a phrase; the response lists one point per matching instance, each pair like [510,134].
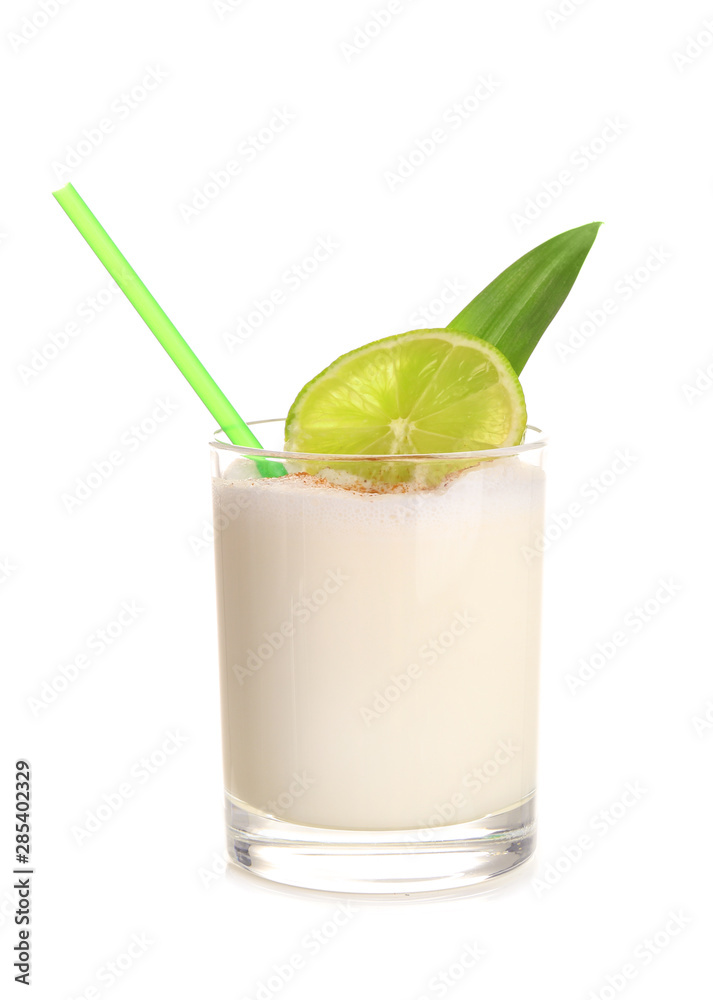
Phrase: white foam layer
[503,486]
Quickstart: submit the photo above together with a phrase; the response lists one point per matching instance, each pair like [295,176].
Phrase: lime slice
[418,393]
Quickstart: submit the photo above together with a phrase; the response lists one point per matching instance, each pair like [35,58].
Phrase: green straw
[161,326]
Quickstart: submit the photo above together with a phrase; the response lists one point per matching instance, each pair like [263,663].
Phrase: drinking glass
[379,631]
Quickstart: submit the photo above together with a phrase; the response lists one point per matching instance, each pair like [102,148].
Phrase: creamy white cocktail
[379,651]
[379,593]
[379,605]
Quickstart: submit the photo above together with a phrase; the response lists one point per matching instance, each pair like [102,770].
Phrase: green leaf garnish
[515,309]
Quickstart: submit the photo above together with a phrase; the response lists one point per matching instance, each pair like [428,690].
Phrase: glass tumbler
[379,632]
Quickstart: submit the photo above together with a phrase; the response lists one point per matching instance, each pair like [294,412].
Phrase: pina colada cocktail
[378,599]
[379,605]
[379,624]
[379,651]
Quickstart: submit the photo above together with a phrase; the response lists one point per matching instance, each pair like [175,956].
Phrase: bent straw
[161,326]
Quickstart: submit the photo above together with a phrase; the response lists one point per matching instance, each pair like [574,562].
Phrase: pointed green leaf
[517,307]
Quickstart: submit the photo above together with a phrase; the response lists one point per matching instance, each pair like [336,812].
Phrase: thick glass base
[380,861]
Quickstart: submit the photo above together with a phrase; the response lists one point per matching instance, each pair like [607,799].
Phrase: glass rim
[218,442]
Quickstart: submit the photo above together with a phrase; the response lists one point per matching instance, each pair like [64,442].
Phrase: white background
[457,218]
